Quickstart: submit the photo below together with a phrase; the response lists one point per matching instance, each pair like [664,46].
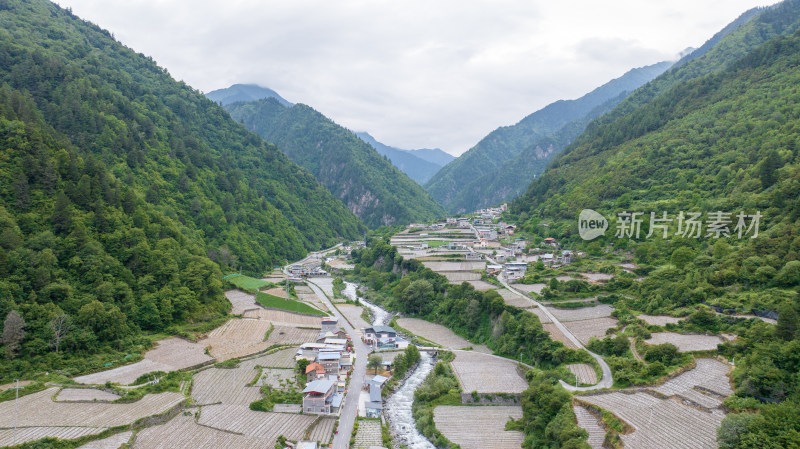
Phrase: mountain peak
[245,92]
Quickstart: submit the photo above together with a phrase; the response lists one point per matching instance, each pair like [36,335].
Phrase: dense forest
[125,193]
[713,135]
[371,187]
[500,166]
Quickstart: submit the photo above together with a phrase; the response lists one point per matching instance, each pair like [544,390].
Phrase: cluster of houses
[309,269]
[330,360]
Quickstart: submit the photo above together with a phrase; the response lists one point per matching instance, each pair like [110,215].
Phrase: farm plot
[263,425]
[482,286]
[585,372]
[708,374]
[275,377]
[455,266]
[557,335]
[325,284]
[485,373]
[595,277]
[457,277]
[22,383]
[543,318]
[170,354]
[323,431]
[241,301]
[438,334]
[686,342]
[368,434]
[39,409]
[283,317]
[237,338]
[181,432]
[112,442]
[479,427]
[586,329]
[313,300]
[530,288]
[589,422]
[353,315]
[658,421]
[25,434]
[226,385]
[277,291]
[278,359]
[515,300]
[584,313]
[284,335]
[85,394]
[659,320]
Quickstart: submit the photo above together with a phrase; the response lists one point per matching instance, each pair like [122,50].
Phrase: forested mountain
[416,168]
[368,184]
[123,192]
[717,134]
[244,92]
[435,155]
[478,178]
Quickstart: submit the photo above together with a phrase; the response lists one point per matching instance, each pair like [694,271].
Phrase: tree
[302,364]
[62,214]
[417,295]
[374,362]
[60,326]
[787,322]
[681,257]
[13,332]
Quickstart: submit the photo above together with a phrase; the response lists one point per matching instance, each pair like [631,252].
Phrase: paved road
[350,407]
[606,382]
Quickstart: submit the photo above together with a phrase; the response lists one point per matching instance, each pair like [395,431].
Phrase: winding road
[606,382]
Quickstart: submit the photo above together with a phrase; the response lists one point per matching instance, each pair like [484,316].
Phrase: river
[397,409]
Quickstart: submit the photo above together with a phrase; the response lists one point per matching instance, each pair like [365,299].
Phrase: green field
[435,243]
[274,302]
[246,282]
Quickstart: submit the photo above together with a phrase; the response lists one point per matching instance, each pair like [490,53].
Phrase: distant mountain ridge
[499,168]
[245,92]
[352,170]
[419,165]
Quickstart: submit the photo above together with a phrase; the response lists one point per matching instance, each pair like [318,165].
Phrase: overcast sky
[414,74]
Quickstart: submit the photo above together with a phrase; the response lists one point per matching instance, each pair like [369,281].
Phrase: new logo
[591,224]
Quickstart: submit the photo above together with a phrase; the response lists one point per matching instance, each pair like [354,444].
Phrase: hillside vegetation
[368,184]
[123,191]
[713,135]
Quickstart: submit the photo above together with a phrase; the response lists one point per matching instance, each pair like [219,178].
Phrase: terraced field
[279,359]
[241,301]
[277,291]
[479,427]
[557,335]
[659,320]
[586,373]
[482,286]
[686,342]
[25,434]
[368,434]
[283,317]
[455,266]
[595,327]
[85,394]
[544,319]
[170,354]
[284,335]
[181,432]
[457,277]
[226,385]
[262,425]
[591,424]
[323,431]
[515,300]
[438,334]
[39,410]
[237,338]
[657,421]
[584,313]
[112,442]
[487,374]
[353,315]
[275,377]
[530,288]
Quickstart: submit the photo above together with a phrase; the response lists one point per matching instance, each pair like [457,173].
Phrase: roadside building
[318,397]
[314,371]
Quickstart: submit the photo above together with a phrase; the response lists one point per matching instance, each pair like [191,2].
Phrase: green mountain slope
[467,183]
[725,142]
[416,168]
[369,185]
[121,190]
[244,92]
[435,155]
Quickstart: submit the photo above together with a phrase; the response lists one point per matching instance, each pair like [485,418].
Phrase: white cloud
[414,73]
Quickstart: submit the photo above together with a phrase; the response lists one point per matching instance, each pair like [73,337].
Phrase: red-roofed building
[314,371]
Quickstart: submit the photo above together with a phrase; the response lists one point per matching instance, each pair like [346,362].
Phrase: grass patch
[274,302]
[247,283]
